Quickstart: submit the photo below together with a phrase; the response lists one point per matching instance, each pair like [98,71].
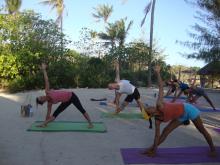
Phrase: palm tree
[103,12]
[122,31]
[115,36]
[13,6]
[59,6]
[147,9]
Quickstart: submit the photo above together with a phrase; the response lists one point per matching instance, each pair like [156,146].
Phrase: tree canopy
[207,34]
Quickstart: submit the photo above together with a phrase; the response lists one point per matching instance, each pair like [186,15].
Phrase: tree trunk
[61,29]
[151,43]
[117,71]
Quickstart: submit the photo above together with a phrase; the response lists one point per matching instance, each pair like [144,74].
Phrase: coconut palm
[59,6]
[13,6]
[115,36]
[150,5]
[103,12]
[122,30]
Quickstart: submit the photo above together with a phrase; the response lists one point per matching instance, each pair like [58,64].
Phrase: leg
[75,100]
[209,101]
[50,119]
[195,98]
[127,100]
[166,131]
[122,106]
[200,127]
[59,109]
[168,92]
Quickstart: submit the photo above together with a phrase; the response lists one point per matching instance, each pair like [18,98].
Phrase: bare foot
[116,112]
[212,154]
[90,126]
[149,153]
[42,125]
[144,152]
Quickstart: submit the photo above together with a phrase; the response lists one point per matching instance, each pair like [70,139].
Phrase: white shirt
[125,87]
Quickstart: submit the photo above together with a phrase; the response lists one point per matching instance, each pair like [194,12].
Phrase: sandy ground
[19,147]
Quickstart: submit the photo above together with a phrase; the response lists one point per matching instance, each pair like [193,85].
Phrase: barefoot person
[56,96]
[176,114]
[125,87]
[182,87]
[173,86]
[194,93]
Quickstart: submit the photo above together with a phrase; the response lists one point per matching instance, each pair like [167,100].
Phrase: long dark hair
[39,102]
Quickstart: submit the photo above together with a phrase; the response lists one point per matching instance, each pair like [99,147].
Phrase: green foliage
[26,40]
[13,5]
[207,35]
[95,75]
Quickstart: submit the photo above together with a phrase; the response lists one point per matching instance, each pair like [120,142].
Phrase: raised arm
[160,84]
[46,80]
[194,82]
[177,96]
[117,98]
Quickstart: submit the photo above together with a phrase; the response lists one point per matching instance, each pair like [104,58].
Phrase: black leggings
[75,100]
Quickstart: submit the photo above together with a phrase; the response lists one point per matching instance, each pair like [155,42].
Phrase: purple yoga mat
[217,130]
[178,155]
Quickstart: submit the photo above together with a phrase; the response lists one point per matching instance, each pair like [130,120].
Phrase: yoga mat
[102,99]
[180,155]
[122,115]
[113,105]
[67,126]
[217,130]
[202,109]
[207,109]
[176,101]
[171,97]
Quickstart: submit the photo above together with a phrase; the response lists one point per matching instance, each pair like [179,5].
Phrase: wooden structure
[211,69]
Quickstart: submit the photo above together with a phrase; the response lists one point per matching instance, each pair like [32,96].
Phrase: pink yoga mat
[178,155]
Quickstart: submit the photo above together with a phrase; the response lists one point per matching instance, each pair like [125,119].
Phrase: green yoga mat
[122,115]
[67,126]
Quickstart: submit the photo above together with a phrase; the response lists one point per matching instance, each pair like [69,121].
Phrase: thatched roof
[213,68]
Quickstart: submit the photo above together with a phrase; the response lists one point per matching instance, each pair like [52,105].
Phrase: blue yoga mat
[180,155]
[171,97]
[207,109]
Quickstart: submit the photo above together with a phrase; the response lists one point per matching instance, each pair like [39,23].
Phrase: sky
[173,21]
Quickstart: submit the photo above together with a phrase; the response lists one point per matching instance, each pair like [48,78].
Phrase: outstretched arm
[160,84]
[46,80]
[194,81]
[152,150]
[176,97]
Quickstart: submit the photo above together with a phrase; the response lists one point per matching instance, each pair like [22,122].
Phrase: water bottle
[31,111]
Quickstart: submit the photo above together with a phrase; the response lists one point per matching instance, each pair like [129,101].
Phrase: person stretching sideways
[194,93]
[176,114]
[125,87]
[56,96]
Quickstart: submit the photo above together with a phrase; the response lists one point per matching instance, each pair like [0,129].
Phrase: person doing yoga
[175,114]
[125,87]
[55,96]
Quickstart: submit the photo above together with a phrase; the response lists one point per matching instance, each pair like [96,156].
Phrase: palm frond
[146,11]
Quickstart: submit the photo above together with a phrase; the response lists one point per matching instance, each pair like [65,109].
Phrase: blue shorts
[190,113]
